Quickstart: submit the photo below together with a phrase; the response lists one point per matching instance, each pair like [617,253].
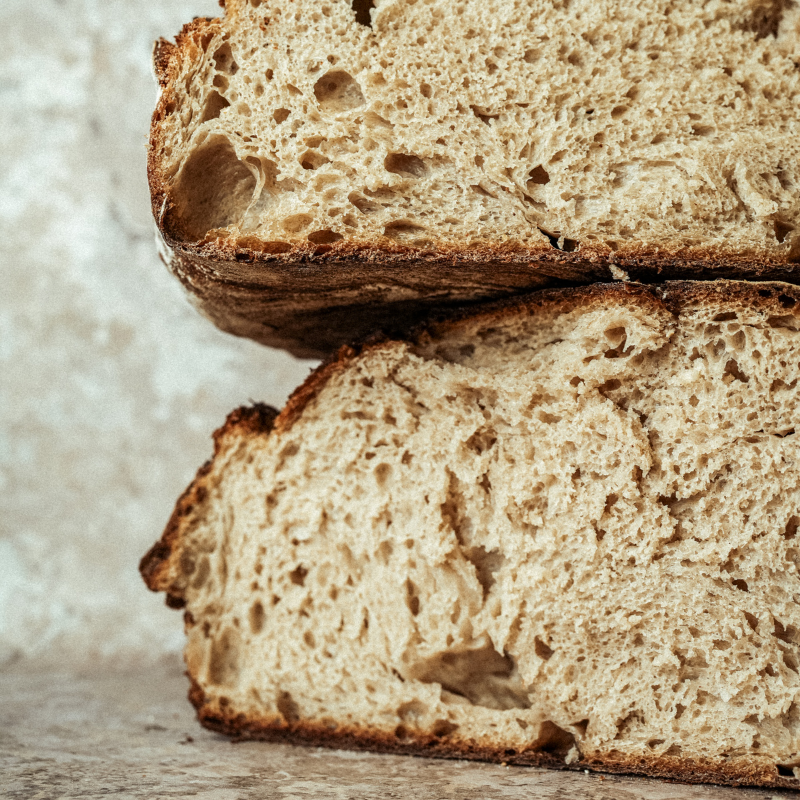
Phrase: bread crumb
[618,274]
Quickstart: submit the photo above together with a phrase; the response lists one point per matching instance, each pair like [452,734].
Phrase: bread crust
[155,565]
[242,727]
[310,299]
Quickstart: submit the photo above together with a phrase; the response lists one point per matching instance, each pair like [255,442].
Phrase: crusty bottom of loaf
[243,727]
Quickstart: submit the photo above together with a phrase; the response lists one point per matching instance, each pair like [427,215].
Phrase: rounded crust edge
[224,271]
[243,727]
[157,565]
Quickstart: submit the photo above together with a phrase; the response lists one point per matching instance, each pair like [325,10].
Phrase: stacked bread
[556,529]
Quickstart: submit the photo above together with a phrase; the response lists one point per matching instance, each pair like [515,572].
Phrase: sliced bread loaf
[559,531]
[318,168]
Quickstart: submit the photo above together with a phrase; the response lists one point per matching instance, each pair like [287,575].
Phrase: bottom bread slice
[558,531]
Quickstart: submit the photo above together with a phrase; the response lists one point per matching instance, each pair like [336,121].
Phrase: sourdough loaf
[320,167]
[557,531]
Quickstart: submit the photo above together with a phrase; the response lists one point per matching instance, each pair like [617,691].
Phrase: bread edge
[242,727]
[662,262]
[158,573]
[221,269]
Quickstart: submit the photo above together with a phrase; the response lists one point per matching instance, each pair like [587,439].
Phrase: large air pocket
[213,189]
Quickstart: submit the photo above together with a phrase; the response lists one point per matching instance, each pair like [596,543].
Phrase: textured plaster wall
[110,383]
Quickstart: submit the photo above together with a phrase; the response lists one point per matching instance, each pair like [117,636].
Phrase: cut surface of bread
[560,531]
[310,160]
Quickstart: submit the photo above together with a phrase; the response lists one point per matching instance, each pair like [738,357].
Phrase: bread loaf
[320,168]
[557,531]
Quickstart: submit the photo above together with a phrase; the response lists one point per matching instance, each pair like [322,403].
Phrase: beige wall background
[111,383]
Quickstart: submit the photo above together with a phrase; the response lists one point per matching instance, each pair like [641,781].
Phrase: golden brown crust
[154,566]
[726,771]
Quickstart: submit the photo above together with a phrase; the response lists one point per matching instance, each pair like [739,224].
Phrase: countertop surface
[133,734]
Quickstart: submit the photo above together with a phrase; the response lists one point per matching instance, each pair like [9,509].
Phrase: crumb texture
[566,527]
[607,125]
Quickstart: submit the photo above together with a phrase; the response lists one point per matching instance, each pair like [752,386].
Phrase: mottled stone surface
[111,382]
[133,734]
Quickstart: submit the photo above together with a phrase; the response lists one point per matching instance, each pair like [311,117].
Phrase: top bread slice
[318,168]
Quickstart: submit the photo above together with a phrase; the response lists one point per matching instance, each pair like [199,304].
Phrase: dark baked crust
[729,772]
[155,565]
[160,568]
[310,299]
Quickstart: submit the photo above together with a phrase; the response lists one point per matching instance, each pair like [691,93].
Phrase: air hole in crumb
[541,649]
[483,676]
[538,175]
[412,599]
[364,205]
[309,639]
[224,61]
[478,189]
[403,230]
[362,10]
[287,707]
[752,621]
[405,164]
[337,91]
[313,160]
[552,739]
[560,242]
[382,472]
[581,726]
[732,372]
[790,530]
[214,106]
[786,321]
[280,115]
[740,585]
[483,114]
[481,441]
[487,564]
[223,664]
[786,772]
[326,236]
[298,576]
[214,188]
[256,617]
[275,247]
[443,727]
